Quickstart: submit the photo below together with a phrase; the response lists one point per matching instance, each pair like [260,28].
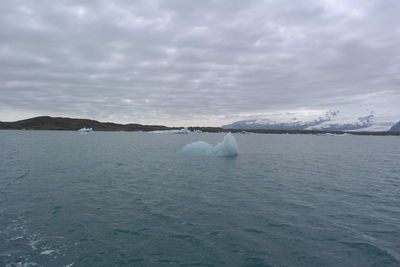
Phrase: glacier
[330,121]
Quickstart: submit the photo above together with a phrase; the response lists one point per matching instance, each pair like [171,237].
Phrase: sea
[132,199]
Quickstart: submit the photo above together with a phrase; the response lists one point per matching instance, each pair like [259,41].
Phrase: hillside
[58,123]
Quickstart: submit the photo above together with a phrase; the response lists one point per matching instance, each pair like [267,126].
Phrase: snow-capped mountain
[395,128]
[331,121]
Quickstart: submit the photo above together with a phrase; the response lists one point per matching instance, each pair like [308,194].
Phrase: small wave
[16,179]
[15,238]
[255,231]
[22,175]
[122,231]
[34,241]
[23,264]
[371,249]
[56,209]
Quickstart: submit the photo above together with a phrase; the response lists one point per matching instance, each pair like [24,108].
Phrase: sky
[206,63]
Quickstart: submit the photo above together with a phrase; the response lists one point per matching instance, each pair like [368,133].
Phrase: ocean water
[130,199]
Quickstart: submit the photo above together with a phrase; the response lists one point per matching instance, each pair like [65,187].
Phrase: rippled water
[129,199]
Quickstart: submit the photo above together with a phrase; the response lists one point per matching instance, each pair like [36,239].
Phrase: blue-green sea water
[130,199]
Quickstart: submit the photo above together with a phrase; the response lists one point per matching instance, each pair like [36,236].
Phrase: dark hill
[58,123]
[395,128]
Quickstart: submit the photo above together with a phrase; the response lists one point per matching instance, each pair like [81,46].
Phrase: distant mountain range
[363,126]
[395,128]
[331,121]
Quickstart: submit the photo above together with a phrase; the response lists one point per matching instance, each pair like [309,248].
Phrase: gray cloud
[197,62]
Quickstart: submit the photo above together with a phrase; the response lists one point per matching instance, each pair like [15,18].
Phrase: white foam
[47,252]
[227,148]
[16,238]
[23,264]
[33,242]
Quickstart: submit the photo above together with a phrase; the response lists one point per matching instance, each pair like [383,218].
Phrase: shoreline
[236,131]
[48,123]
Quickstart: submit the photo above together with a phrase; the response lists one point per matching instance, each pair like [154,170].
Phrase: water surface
[129,199]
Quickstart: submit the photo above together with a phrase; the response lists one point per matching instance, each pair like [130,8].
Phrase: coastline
[71,124]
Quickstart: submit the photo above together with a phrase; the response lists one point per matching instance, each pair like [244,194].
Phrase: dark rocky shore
[69,124]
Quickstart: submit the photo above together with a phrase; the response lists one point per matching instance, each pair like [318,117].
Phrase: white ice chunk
[85,130]
[198,148]
[182,131]
[227,148]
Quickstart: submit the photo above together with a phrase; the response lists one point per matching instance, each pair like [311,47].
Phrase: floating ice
[181,131]
[85,130]
[198,148]
[160,131]
[227,148]
[331,134]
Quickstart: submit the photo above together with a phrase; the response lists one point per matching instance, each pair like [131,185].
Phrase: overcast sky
[208,62]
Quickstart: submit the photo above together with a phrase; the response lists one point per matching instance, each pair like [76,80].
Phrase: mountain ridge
[331,121]
[395,128]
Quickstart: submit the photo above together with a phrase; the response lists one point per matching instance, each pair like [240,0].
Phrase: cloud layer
[197,62]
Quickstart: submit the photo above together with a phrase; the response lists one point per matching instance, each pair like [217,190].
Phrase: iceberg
[325,134]
[227,148]
[331,134]
[182,131]
[85,130]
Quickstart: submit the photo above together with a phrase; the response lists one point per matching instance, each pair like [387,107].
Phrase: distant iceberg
[331,134]
[85,130]
[181,131]
[227,148]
